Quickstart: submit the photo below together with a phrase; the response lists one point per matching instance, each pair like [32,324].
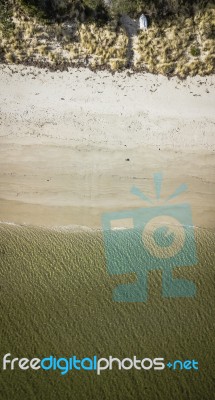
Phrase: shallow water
[56,299]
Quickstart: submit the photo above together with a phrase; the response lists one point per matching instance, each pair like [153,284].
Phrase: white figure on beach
[143,22]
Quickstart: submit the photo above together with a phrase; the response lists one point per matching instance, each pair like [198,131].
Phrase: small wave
[59,228]
[84,228]
[9,223]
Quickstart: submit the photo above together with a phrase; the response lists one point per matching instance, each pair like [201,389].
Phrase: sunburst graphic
[158,180]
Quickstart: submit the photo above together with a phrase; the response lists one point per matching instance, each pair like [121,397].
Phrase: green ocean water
[56,299]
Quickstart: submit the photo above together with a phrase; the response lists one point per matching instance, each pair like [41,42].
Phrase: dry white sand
[65,138]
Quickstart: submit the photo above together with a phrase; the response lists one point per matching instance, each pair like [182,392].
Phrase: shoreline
[87,229]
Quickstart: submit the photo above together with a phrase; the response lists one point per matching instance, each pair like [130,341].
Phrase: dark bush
[156,7]
[68,8]
[195,51]
[97,9]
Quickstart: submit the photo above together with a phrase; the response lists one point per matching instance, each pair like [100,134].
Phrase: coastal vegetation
[56,34]
[182,47]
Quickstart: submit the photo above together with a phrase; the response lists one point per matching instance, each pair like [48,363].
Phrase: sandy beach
[74,143]
[72,146]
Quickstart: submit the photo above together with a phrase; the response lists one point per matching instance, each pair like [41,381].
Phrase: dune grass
[179,46]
